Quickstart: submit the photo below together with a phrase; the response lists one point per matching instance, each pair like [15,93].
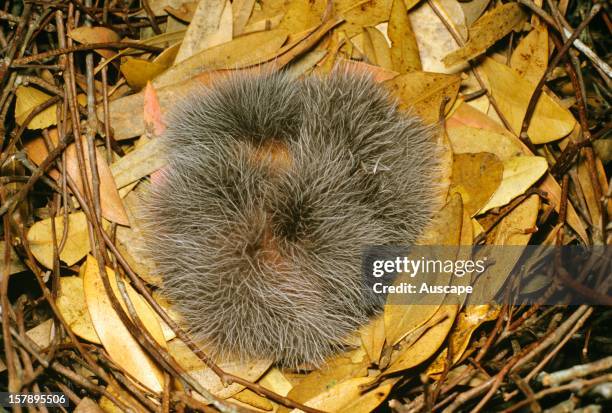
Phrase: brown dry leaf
[15,265]
[40,239]
[184,12]
[373,338]
[71,303]
[251,48]
[465,139]
[376,49]
[29,98]
[275,380]
[453,13]
[466,115]
[110,201]
[436,331]
[487,30]
[520,173]
[424,92]
[512,93]
[138,72]
[369,401]
[515,228]
[210,26]
[404,48]
[207,378]
[476,176]
[121,346]
[530,58]
[88,35]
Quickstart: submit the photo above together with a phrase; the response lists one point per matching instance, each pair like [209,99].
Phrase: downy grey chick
[273,188]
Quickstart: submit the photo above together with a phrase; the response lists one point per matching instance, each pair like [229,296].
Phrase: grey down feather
[273,188]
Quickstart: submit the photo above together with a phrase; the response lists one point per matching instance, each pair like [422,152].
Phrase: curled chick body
[273,188]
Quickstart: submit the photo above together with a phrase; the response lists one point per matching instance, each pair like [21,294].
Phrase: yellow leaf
[302,15]
[71,303]
[520,172]
[241,10]
[530,58]
[207,378]
[370,400]
[512,93]
[465,139]
[428,343]
[28,99]
[358,14]
[275,380]
[404,48]
[445,229]
[76,246]
[248,49]
[375,48]
[487,30]
[138,72]
[476,176]
[373,338]
[121,346]
[251,398]
[424,92]
[338,396]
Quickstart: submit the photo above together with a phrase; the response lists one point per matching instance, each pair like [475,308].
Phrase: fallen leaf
[520,173]
[138,72]
[424,92]
[373,338]
[376,48]
[487,30]
[466,139]
[241,10]
[29,98]
[302,15]
[251,48]
[514,228]
[530,58]
[15,265]
[337,370]
[476,176]
[209,379]
[404,48]
[549,122]
[88,35]
[445,229]
[468,116]
[139,163]
[428,343]
[275,380]
[110,201]
[121,346]
[40,239]
[184,12]
[370,400]
[361,13]
[434,40]
[72,306]
[472,10]
[335,398]
[251,398]
[42,334]
[152,115]
[210,26]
